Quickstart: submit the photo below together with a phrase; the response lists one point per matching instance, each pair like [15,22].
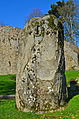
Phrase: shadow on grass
[73,90]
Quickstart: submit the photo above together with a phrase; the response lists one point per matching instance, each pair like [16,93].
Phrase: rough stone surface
[41,83]
[9,39]
[71,56]
[10,47]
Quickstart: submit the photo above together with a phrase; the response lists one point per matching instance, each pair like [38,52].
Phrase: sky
[15,12]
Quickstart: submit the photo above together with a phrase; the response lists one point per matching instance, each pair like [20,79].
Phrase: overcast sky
[14,12]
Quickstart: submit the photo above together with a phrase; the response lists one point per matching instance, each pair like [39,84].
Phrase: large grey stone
[41,83]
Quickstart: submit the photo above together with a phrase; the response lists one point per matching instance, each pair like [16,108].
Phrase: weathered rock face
[41,81]
[71,56]
[9,38]
[10,47]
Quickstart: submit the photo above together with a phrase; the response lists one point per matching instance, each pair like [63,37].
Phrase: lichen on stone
[39,70]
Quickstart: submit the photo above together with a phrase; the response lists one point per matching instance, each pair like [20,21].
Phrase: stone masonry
[9,39]
[71,56]
[41,84]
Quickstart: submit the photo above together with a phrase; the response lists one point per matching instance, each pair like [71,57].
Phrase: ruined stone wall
[9,38]
[71,56]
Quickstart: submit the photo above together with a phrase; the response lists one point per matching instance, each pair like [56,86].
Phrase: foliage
[51,23]
[55,8]
[67,13]
[7,84]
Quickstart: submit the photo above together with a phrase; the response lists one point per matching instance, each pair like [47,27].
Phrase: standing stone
[41,83]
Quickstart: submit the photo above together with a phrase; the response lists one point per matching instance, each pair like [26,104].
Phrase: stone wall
[41,83]
[71,56]
[9,38]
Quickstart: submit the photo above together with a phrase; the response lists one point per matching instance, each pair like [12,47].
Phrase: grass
[8,111]
[71,75]
[7,84]
[70,112]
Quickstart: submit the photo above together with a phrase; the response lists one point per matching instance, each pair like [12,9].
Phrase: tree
[55,8]
[66,12]
[36,12]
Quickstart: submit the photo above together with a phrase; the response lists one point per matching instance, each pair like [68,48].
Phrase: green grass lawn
[71,75]
[71,111]
[7,84]
[8,111]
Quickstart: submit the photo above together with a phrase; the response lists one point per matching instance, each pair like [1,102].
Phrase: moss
[52,25]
